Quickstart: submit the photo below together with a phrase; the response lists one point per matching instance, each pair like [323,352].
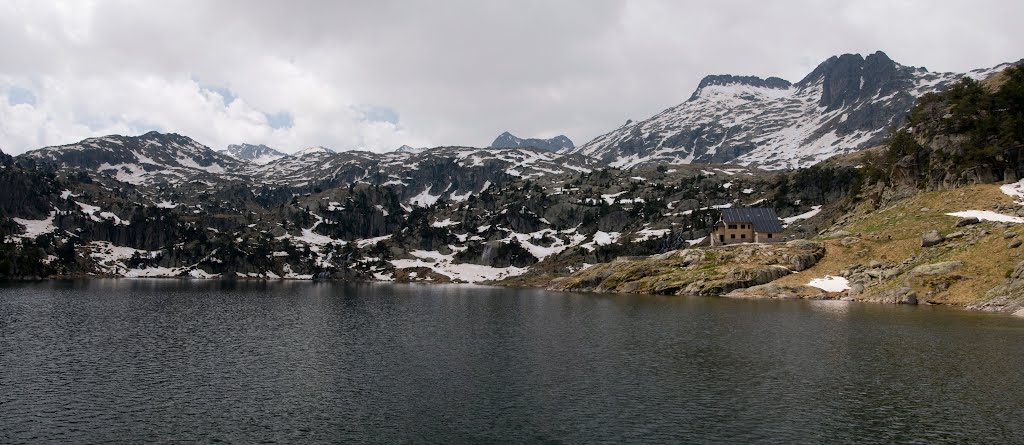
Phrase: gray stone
[905,295]
[931,238]
[803,261]
[1014,244]
[909,298]
[955,235]
[1009,235]
[936,268]
[967,221]
[856,289]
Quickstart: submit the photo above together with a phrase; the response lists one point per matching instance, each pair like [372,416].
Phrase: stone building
[750,225]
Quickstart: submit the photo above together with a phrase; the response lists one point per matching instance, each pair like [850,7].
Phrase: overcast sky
[378,74]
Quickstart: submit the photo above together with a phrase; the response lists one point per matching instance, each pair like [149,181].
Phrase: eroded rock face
[706,272]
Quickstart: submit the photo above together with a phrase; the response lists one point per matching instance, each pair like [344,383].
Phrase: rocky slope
[847,103]
[443,214]
[699,271]
[923,224]
[508,140]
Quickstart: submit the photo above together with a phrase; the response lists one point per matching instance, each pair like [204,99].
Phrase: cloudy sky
[379,74]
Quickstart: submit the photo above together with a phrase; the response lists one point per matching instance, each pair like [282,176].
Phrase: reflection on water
[170,360]
[832,307]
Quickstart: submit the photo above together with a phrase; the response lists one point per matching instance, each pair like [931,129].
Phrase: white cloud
[457,72]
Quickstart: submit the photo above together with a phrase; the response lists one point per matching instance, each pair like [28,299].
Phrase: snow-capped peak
[845,104]
[257,154]
[313,150]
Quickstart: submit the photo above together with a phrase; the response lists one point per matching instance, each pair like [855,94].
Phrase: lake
[181,361]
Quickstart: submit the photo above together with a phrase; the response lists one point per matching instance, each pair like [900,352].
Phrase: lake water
[180,361]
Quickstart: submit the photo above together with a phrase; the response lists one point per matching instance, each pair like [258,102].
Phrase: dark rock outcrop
[508,140]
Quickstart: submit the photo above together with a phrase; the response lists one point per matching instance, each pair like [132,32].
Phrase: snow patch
[792,219]
[986,215]
[829,283]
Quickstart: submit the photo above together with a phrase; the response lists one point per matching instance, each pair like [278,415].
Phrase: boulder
[936,268]
[905,295]
[803,261]
[931,238]
[908,298]
[856,289]
[1014,244]
[838,234]
[849,241]
[967,221]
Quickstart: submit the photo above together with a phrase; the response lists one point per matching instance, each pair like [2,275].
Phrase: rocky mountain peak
[849,77]
[509,140]
[313,150]
[727,79]
[409,149]
[258,154]
[846,103]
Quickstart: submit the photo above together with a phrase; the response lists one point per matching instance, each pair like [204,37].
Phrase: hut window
[733,236]
[732,226]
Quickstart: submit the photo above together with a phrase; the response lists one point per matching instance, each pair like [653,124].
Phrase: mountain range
[165,205]
[846,104]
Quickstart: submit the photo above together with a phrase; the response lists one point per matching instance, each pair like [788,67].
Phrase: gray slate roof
[764,219]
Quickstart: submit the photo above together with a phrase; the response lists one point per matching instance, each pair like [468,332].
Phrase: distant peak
[409,149]
[312,150]
[727,79]
[259,154]
[508,140]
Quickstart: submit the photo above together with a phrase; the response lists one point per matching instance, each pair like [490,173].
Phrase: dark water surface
[176,361]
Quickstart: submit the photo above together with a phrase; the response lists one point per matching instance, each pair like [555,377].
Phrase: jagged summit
[509,140]
[846,103]
[257,154]
[850,77]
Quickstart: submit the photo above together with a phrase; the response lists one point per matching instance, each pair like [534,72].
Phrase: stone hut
[750,225]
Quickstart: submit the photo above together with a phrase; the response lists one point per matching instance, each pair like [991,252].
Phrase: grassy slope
[986,262]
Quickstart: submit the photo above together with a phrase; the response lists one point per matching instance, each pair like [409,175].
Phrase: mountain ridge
[845,104]
[555,144]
